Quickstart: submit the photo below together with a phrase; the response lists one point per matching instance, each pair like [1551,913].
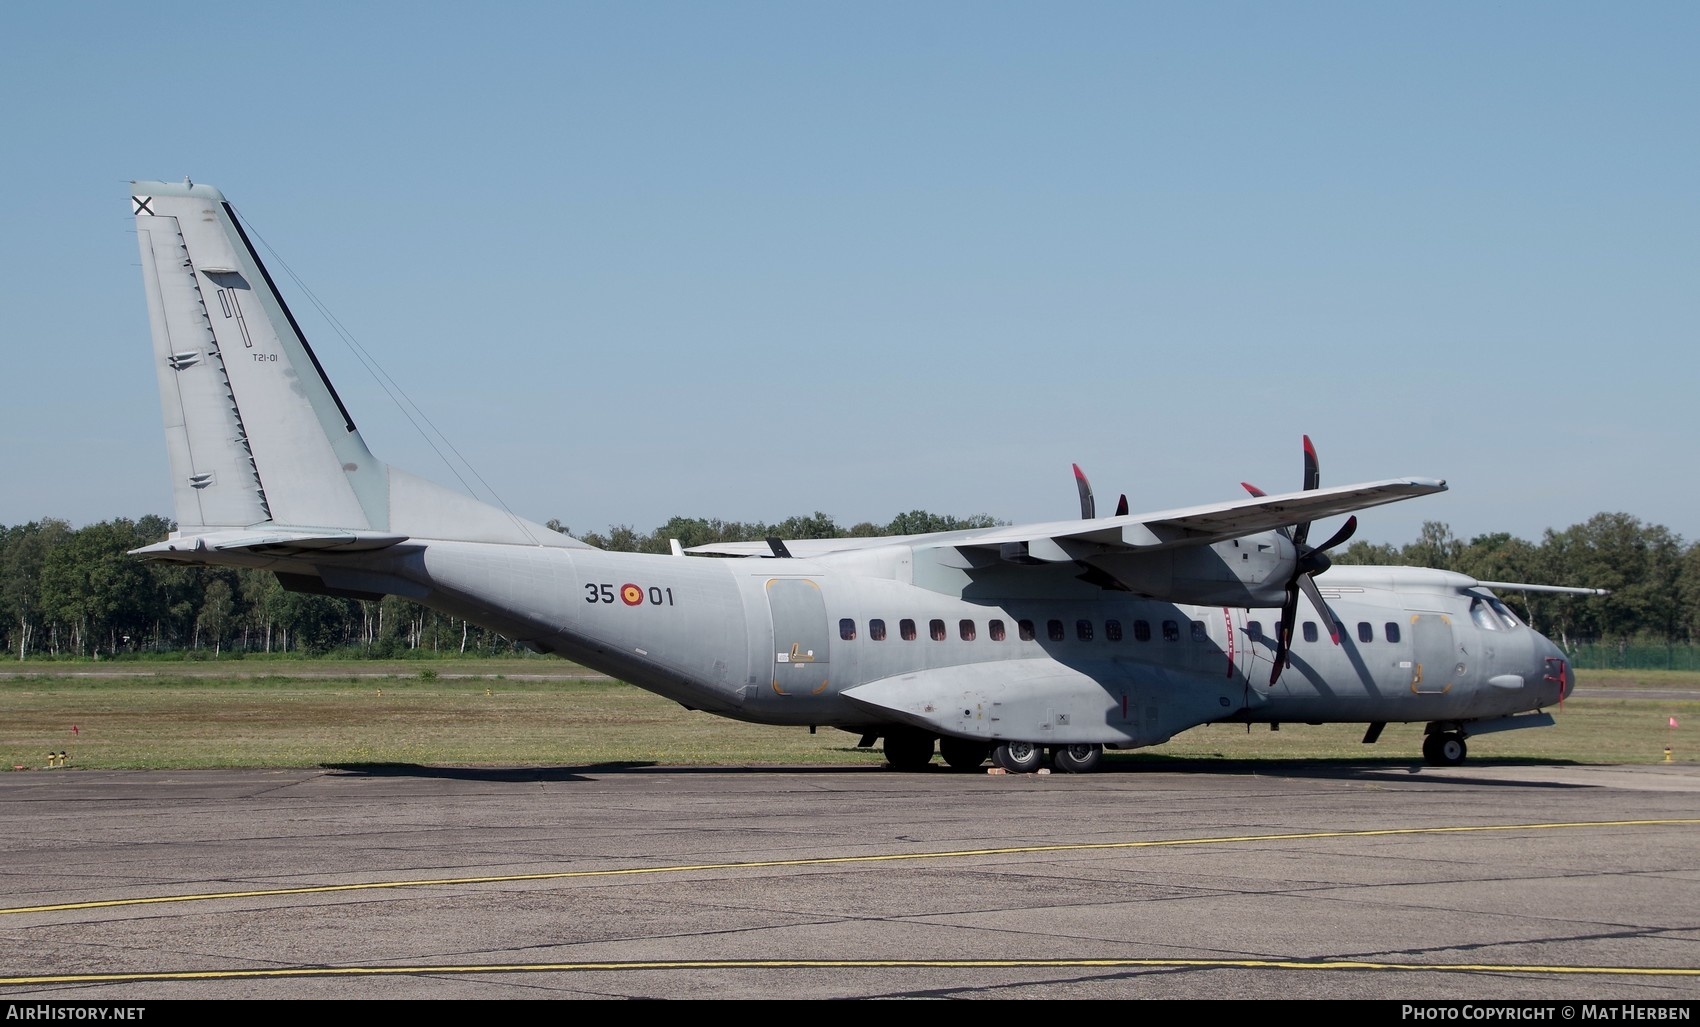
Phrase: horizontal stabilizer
[194,548]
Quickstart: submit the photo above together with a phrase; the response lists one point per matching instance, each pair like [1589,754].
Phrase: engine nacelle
[1249,571]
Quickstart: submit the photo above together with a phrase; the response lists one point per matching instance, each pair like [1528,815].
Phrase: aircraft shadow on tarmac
[1322,769]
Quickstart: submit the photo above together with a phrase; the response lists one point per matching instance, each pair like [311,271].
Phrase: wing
[1063,541]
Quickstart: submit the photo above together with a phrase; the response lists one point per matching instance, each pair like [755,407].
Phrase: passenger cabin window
[1171,631]
[1141,631]
[995,629]
[1026,628]
[966,629]
[876,630]
[1113,630]
[1310,631]
[936,626]
[1199,633]
[1083,630]
[1366,631]
[847,629]
[1390,631]
[1254,629]
[906,628]
[1054,629]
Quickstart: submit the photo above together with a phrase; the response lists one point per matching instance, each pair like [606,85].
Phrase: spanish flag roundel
[631,594]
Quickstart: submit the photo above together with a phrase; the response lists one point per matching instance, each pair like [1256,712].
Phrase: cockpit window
[1483,615]
[1505,613]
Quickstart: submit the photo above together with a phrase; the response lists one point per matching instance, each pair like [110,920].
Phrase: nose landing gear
[1442,748]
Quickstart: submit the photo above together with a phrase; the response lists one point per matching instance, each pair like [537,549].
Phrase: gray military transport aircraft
[1024,645]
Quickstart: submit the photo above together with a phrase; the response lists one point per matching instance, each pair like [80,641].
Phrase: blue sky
[753,260]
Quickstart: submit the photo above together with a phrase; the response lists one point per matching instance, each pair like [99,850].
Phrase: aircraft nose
[1555,678]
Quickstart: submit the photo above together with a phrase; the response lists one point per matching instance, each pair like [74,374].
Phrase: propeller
[1311,561]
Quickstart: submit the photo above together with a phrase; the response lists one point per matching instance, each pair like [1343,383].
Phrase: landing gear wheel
[908,750]
[1446,749]
[963,753]
[1019,757]
[1076,759]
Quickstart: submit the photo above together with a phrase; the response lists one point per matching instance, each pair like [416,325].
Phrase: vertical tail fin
[255,431]
[228,352]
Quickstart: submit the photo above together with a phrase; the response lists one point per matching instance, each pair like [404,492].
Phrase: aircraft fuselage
[871,638]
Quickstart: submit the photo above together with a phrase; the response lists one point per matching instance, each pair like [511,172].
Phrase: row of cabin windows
[1366,630]
[1056,631]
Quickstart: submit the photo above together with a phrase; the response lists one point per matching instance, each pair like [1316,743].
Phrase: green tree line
[76,592]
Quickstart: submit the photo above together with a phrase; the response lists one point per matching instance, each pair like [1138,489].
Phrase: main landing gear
[911,750]
[1027,757]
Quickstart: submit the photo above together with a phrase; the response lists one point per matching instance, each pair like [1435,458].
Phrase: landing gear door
[1435,665]
[800,636]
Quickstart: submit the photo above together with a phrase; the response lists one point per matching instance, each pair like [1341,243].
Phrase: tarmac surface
[1379,879]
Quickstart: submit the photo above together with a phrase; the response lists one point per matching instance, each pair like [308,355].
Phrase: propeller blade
[1346,531]
[1321,605]
[1284,632]
[1313,479]
[1088,506]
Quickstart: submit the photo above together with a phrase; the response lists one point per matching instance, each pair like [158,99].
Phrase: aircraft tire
[908,750]
[963,753]
[1076,759]
[1446,749]
[1019,757]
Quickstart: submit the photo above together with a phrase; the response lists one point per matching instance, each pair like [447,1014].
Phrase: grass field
[549,713]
